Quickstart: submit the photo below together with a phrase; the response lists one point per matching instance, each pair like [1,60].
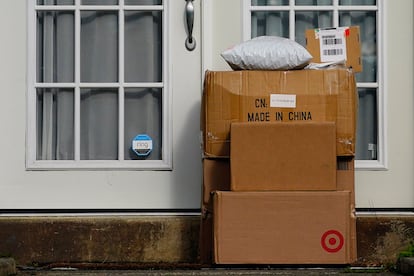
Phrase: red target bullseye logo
[332,241]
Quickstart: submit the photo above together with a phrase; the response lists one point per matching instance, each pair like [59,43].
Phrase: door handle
[190,42]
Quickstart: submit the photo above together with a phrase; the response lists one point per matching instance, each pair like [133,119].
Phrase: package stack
[278,167]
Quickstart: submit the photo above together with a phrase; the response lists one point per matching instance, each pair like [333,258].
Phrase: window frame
[32,85]
[381,163]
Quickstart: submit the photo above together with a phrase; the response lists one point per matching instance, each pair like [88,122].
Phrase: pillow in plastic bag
[267,53]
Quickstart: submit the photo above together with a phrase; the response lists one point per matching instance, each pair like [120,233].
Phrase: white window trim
[77,164]
[382,157]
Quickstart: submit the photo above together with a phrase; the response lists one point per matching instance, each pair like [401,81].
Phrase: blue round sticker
[142,145]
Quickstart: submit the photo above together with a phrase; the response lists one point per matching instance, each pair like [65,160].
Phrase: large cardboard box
[276,157]
[277,96]
[283,228]
[335,44]
[216,177]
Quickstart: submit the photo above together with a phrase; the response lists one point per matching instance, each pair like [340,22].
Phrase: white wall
[391,188]
[222,31]
[395,187]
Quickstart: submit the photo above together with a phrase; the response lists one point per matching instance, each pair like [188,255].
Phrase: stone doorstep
[406,265]
[152,240]
[7,266]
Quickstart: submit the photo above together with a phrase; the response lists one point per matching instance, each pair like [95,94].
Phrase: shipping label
[332,44]
[283,100]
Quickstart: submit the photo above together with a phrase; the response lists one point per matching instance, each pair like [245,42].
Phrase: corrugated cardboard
[283,228]
[352,45]
[345,181]
[276,156]
[216,175]
[252,96]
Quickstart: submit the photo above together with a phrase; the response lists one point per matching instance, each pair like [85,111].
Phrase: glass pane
[311,20]
[313,2]
[55,2]
[357,2]
[143,115]
[270,23]
[99,46]
[143,2]
[367,21]
[367,131]
[270,2]
[55,124]
[143,46]
[55,46]
[99,2]
[99,124]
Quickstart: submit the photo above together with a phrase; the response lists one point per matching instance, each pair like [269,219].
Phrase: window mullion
[336,13]
[292,19]
[77,81]
[121,91]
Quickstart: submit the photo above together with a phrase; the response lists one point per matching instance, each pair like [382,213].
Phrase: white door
[172,183]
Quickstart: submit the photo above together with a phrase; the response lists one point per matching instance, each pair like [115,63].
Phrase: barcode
[332,41]
[333,52]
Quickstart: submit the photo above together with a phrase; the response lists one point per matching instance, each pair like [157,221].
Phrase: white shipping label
[332,44]
[283,100]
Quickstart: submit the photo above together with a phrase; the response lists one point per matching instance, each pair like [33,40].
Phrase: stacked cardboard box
[281,174]
[217,182]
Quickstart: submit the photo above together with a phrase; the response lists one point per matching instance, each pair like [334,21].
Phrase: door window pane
[55,2]
[313,2]
[77,92]
[310,20]
[99,124]
[270,2]
[55,46]
[54,124]
[143,2]
[143,46]
[357,2]
[99,46]
[99,2]
[270,23]
[367,21]
[366,140]
[143,115]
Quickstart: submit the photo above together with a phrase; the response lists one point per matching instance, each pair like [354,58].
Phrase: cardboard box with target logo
[283,227]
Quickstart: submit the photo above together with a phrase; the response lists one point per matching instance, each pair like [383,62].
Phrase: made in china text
[279,116]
